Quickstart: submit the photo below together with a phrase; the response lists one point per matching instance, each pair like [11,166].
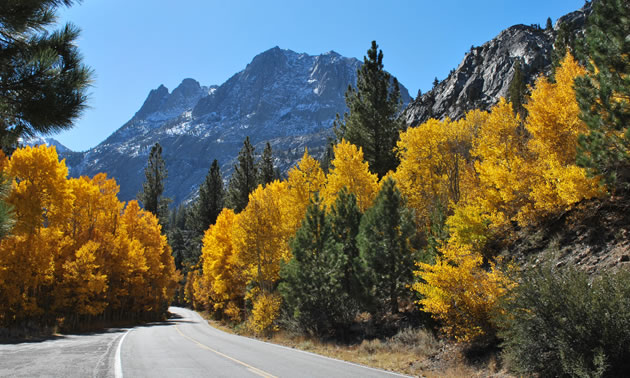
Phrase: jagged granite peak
[283,97]
[485,73]
[39,140]
[155,100]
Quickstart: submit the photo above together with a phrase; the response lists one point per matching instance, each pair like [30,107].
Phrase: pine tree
[6,210]
[243,180]
[43,83]
[604,93]
[549,25]
[345,218]
[312,280]
[153,187]
[384,242]
[266,172]
[374,105]
[517,91]
[210,202]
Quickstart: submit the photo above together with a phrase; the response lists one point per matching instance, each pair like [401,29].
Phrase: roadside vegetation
[395,251]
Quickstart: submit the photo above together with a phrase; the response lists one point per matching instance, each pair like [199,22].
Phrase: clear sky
[133,46]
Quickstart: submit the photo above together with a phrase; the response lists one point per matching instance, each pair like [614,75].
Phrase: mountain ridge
[283,97]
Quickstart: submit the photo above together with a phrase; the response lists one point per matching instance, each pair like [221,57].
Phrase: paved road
[184,346]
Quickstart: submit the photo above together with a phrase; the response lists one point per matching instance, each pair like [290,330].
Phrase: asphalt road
[184,346]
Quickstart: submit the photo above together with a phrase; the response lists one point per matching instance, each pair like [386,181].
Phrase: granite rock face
[484,76]
[283,97]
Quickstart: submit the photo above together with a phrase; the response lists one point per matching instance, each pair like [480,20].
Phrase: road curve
[186,346]
[183,346]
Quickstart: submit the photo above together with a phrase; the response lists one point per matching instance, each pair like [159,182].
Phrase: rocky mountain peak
[155,100]
[485,73]
[283,97]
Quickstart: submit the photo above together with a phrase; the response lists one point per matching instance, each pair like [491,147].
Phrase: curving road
[184,346]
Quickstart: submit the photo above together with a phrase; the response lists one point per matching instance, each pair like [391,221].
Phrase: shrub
[563,322]
[264,312]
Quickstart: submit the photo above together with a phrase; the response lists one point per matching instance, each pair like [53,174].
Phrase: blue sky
[133,46]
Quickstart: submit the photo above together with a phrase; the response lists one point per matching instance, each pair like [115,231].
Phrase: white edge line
[300,350]
[118,364]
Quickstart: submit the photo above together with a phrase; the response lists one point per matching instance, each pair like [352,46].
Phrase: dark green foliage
[312,281]
[206,208]
[244,178]
[384,240]
[6,210]
[565,323]
[373,121]
[436,233]
[549,25]
[517,91]
[266,172]
[43,83]
[345,219]
[151,195]
[604,93]
[435,82]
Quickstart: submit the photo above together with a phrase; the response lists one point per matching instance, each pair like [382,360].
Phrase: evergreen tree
[43,83]
[266,172]
[345,218]
[243,180]
[604,93]
[373,121]
[209,204]
[6,210]
[312,279]
[517,91]
[549,25]
[384,240]
[151,195]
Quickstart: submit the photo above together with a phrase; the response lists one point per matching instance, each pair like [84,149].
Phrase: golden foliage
[349,169]
[264,312]
[459,292]
[305,179]
[433,158]
[73,251]
[222,268]
[261,234]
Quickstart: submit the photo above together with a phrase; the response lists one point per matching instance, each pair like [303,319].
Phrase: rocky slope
[283,97]
[484,76]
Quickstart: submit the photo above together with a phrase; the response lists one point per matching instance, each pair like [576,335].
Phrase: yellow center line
[249,367]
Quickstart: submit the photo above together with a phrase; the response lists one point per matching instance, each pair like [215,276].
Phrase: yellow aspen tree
[554,125]
[305,179]
[262,233]
[497,186]
[460,293]
[159,275]
[41,198]
[350,170]
[83,282]
[433,158]
[222,269]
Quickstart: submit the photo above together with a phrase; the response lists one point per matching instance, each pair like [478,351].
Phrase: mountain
[283,97]
[484,76]
[37,140]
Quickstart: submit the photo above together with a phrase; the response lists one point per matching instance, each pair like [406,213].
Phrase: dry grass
[414,352]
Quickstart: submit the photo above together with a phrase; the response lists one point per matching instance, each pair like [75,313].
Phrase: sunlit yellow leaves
[433,158]
[553,119]
[266,310]
[262,233]
[460,293]
[305,179]
[74,252]
[350,170]
[222,268]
